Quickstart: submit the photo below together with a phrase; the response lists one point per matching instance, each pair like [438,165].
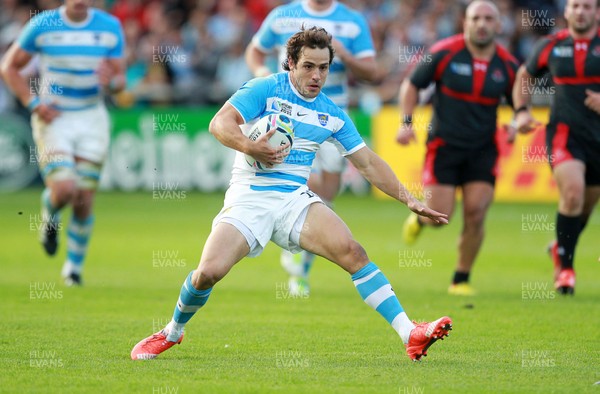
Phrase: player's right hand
[262,150]
[421,209]
[525,123]
[46,112]
[406,134]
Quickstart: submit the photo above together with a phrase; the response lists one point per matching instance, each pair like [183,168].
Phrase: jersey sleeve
[251,98]
[363,46]
[347,139]
[29,34]
[265,38]
[537,62]
[424,73]
[513,66]
[118,50]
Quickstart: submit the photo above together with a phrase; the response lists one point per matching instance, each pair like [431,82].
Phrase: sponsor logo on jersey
[461,69]
[562,51]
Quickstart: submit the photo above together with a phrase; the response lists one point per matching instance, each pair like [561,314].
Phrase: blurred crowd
[191,52]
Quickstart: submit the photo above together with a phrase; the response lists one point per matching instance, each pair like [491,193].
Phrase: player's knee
[64,192]
[474,217]
[354,255]
[205,277]
[572,200]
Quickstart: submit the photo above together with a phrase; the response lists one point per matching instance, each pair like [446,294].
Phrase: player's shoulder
[327,106]
[505,54]
[265,84]
[450,44]
[104,18]
[345,12]
[554,38]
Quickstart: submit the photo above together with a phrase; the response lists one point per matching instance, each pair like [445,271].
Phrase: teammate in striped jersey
[276,204]
[355,53]
[80,53]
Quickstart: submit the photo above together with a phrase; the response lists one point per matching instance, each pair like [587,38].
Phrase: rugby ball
[283,135]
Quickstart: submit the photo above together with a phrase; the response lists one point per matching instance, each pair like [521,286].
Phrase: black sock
[460,277]
[583,222]
[567,233]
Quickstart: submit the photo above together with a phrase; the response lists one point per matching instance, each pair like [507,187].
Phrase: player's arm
[111,75]
[111,71]
[535,65]
[421,76]
[407,99]
[592,100]
[255,59]
[524,121]
[225,126]
[13,61]
[380,175]
[364,68]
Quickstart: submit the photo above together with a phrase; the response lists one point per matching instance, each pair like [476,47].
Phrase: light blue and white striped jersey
[343,23]
[314,120]
[70,53]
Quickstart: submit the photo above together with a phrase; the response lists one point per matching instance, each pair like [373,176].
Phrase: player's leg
[325,181]
[477,197]
[325,234]
[442,198]
[591,197]
[570,179]
[59,191]
[90,133]
[225,246]
[440,177]
[57,167]
[82,220]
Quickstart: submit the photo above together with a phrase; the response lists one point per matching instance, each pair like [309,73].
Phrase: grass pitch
[517,335]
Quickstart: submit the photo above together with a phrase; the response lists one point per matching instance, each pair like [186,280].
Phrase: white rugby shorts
[268,215]
[84,134]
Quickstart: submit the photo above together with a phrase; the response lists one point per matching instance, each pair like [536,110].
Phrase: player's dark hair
[315,37]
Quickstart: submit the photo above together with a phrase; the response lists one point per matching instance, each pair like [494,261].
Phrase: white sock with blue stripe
[48,208]
[190,301]
[78,237]
[376,291]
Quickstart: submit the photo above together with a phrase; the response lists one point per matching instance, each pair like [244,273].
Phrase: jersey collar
[63,14]
[323,13]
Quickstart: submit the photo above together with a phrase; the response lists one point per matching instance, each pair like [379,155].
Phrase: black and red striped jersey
[574,66]
[468,91]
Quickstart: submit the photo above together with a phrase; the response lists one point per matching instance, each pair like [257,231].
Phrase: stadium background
[184,58]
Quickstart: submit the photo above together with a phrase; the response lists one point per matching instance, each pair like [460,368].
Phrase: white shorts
[84,134]
[329,159]
[267,215]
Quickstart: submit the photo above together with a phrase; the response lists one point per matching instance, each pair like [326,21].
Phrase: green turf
[517,337]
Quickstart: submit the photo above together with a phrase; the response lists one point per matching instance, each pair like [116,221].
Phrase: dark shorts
[564,145]
[450,165]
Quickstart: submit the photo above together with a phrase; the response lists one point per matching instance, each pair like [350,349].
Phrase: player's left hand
[511,132]
[421,209]
[592,100]
[340,50]
[105,73]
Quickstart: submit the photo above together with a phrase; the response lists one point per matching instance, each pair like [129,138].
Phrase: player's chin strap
[88,175]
